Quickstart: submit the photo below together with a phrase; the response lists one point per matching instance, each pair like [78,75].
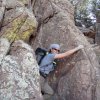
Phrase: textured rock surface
[4,48]
[97,50]
[19,75]
[18,20]
[97,37]
[89,32]
[77,77]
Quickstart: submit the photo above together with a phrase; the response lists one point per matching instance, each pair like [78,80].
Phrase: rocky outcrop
[19,74]
[17,20]
[77,77]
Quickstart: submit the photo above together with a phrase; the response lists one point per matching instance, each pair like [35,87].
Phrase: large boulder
[76,77]
[17,20]
[19,74]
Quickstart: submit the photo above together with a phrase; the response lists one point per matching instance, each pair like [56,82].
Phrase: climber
[46,65]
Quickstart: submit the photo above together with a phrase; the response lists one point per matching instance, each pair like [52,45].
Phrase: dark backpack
[40,54]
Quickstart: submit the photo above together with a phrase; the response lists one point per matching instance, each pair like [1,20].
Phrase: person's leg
[42,82]
[45,88]
[47,97]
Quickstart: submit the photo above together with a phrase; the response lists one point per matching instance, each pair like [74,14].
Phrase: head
[54,48]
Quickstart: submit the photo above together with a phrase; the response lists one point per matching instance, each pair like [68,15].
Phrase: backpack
[40,54]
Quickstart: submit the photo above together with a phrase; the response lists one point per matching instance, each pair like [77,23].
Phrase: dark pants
[45,87]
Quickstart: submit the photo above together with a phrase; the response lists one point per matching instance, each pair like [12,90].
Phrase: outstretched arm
[68,53]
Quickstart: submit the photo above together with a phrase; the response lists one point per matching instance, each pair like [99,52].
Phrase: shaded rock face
[19,75]
[17,20]
[89,32]
[76,77]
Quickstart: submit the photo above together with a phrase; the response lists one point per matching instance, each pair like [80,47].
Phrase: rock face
[97,50]
[89,33]
[19,74]
[17,20]
[76,77]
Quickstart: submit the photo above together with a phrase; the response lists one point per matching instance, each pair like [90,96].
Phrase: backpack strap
[42,58]
[43,74]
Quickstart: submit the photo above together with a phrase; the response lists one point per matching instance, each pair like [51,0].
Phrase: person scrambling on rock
[46,65]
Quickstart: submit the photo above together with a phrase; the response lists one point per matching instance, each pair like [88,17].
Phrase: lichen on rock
[19,23]
[19,72]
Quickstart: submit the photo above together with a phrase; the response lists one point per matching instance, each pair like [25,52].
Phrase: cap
[55,46]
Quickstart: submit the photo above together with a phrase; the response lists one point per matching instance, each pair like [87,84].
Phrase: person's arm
[68,53]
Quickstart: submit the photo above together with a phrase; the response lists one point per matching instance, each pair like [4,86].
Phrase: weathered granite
[76,77]
[19,72]
[18,22]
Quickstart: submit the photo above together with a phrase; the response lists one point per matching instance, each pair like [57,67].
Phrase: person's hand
[79,47]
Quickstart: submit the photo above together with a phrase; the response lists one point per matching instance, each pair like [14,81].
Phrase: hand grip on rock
[79,47]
